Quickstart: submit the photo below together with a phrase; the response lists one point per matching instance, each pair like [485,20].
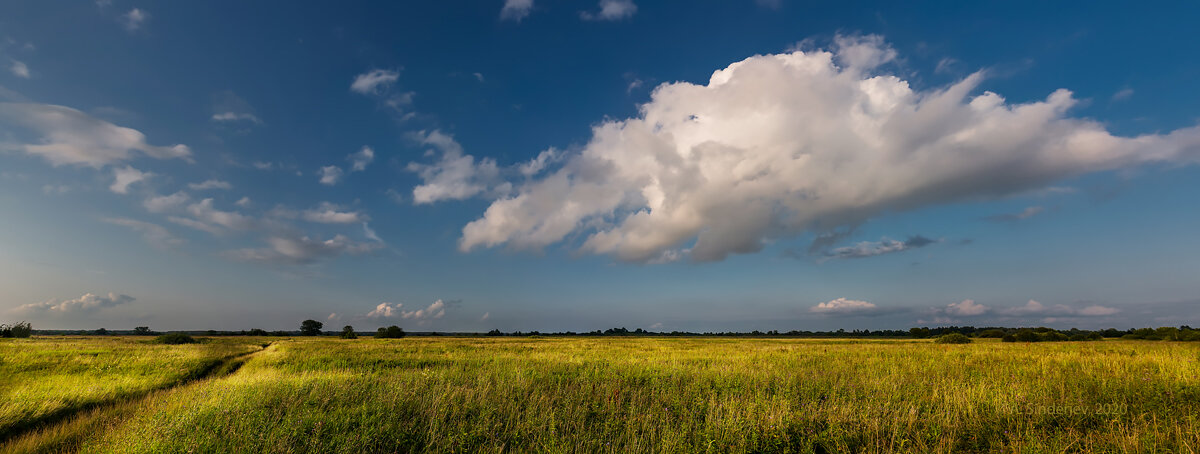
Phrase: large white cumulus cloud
[808,141]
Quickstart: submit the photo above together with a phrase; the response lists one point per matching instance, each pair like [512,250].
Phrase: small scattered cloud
[370,234]
[486,315]
[1122,94]
[88,303]
[262,165]
[154,234]
[68,136]
[391,310]
[946,66]
[873,248]
[228,117]
[1027,213]
[166,203]
[333,317]
[210,184]
[329,213]
[244,202]
[456,176]
[1035,308]
[478,76]
[374,81]
[204,212]
[19,69]
[295,249]
[515,10]
[55,189]
[330,175]
[360,160]
[134,20]
[126,176]
[966,308]
[611,10]
[843,306]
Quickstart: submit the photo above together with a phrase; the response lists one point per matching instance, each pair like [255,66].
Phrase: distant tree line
[1039,334]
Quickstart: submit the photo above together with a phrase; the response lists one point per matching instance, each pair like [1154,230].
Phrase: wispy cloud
[373,81]
[87,303]
[611,10]
[515,10]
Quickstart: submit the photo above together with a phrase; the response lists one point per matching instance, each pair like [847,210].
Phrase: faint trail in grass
[67,426]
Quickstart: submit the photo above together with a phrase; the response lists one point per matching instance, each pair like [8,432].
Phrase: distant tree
[391,332]
[1008,338]
[311,328]
[101,332]
[992,333]
[257,332]
[142,331]
[1027,335]
[495,332]
[953,338]
[348,332]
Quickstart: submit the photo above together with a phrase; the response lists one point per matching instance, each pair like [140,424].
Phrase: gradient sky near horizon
[580,165]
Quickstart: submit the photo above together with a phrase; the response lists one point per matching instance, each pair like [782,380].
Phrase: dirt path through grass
[61,431]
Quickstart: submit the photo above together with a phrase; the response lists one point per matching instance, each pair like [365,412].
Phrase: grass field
[606,395]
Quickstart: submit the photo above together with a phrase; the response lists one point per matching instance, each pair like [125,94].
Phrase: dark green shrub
[1078,337]
[174,339]
[1008,338]
[348,332]
[916,333]
[1190,335]
[101,332]
[992,333]
[953,338]
[1027,335]
[391,332]
[258,332]
[142,331]
[1053,336]
[1167,333]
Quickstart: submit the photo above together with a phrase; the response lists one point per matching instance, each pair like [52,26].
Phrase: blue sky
[578,165]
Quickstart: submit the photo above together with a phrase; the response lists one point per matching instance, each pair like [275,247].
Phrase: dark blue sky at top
[511,89]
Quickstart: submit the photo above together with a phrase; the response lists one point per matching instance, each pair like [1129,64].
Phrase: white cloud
[210,184]
[389,310]
[204,212]
[966,308]
[486,315]
[244,202]
[333,317]
[157,235]
[262,165]
[370,234]
[330,175]
[435,310]
[456,176]
[165,203]
[294,249]
[1122,94]
[873,248]
[87,303]
[58,189]
[374,80]
[1036,308]
[515,10]
[134,19]
[194,224]
[226,117]
[612,10]
[19,69]
[360,160]
[329,213]
[126,176]
[843,306]
[68,136]
[775,146]
[384,310]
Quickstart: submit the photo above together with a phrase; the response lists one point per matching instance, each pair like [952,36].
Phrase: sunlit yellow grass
[678,395]
[44,377]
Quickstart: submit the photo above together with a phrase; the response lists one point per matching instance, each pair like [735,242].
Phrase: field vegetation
[622,394]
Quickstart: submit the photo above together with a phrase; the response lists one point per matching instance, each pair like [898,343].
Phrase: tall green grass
[673,395]
[42,379]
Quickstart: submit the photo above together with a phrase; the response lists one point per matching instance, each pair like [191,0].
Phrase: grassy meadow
[611,394]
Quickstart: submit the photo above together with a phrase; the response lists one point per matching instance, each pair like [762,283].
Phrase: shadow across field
[218,367]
